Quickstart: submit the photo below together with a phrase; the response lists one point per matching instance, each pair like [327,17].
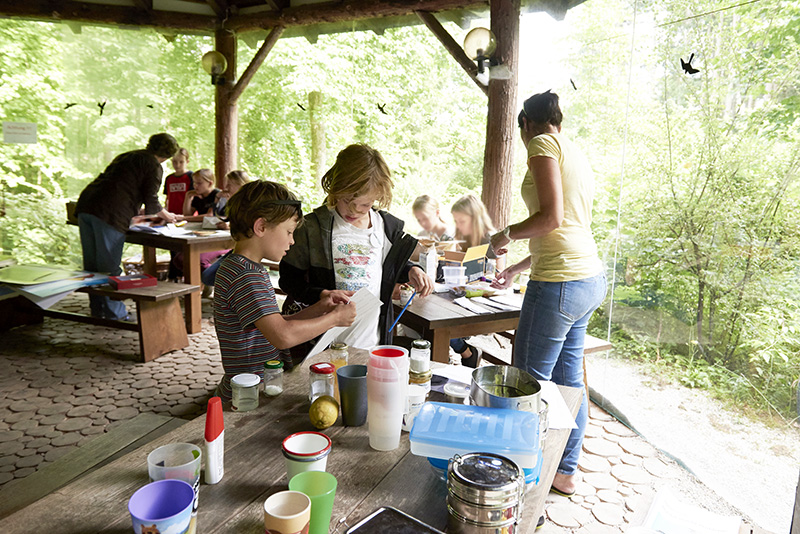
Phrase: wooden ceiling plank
[146,5]
[256,62]
[277,5]
[452,47]
[220,7]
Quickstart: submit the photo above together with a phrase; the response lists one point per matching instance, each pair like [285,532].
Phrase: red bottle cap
[214,422]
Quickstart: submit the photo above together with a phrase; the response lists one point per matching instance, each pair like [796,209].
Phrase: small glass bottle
[245,391]
[419,372]
[273,378]
[320,380]
[339,354]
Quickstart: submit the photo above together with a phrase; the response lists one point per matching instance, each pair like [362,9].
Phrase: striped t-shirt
[242,295]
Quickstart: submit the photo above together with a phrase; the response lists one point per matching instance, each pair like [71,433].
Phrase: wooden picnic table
[192,246]
[254,469]
[438,319]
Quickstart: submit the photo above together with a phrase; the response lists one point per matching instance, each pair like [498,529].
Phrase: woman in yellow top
[568,281]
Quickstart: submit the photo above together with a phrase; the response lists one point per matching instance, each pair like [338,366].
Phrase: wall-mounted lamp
[215,64]
[480,45]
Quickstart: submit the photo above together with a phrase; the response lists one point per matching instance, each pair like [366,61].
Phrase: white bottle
[215,441]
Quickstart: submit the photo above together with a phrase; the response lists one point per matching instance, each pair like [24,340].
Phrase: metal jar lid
[486,479]
[338,345]
[422,344]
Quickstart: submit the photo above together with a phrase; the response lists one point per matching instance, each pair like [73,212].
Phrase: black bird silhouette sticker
[102,107]
[70,104]
[687,65]
[150,106]
[300,106]
[573,84]
[380,107]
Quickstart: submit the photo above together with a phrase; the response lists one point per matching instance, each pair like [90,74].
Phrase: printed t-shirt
[202,205]
[243,294]
[176,187]
[358,255]
[568,252]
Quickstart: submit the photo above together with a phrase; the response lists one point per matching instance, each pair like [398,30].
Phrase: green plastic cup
[320,487]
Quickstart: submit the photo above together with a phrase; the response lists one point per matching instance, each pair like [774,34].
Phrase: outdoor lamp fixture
[215,64]
[480,45]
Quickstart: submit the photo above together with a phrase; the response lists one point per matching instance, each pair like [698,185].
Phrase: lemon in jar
[324,412]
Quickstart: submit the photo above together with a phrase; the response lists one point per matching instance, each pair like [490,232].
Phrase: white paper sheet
[211,222]
[558,414]
[668,515]
[465,303]
[459,373]
[367,305]
[491,304]
[509,300]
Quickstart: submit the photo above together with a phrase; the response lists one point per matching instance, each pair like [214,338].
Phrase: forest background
[696,208]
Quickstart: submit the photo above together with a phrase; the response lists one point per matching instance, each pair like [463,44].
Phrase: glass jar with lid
[320,380]
[273,378]
[339,354]
[420,365]
[245,391]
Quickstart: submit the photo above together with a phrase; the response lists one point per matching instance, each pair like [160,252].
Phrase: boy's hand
[336,296]
[421,281]
[345,314]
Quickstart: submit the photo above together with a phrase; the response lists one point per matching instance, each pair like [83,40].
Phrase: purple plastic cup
[162,506]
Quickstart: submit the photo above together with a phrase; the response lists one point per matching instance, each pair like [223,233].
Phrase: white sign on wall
[19,132]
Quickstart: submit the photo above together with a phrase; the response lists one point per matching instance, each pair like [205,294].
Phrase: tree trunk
[498,156]
[318,141]
[227,117]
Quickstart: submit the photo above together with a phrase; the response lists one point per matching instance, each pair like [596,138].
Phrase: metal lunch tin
[485,493]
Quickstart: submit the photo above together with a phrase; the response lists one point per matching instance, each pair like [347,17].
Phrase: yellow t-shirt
[568,252]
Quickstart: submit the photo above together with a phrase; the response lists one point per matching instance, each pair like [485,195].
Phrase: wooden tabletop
[254,469]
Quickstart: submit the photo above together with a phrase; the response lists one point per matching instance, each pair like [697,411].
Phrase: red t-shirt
[176,187]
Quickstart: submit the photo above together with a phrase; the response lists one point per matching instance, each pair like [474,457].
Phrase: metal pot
[503,386]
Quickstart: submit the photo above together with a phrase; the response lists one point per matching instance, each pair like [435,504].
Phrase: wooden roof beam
[277,5]
[453,47]
[62,10]
[146,5]
[346,10]
[220,7]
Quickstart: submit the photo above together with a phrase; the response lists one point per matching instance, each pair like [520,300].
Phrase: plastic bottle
[215,441]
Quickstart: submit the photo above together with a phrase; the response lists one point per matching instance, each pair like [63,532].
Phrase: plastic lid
[246,380]
[214,422]
[442,430]
[274,364]
[323,368]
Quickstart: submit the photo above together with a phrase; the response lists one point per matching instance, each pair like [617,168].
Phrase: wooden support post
[498,156]
[452,46]
[227,119]
[316,121]
[258,59]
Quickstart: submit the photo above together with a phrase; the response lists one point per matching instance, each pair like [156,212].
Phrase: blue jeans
[102,253]
[549,342]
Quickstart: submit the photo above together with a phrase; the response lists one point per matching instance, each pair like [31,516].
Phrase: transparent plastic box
[442,430]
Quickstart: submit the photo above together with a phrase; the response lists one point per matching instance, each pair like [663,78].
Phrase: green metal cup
[320,487]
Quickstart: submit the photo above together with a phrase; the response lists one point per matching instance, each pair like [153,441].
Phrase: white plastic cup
[387,390]
[416,398]
[305,451]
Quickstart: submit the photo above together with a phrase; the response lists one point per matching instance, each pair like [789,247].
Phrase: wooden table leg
[191,275]
[440,344]
[150,262]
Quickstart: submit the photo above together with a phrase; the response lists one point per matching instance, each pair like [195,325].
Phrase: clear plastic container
[320,380]
[273,378]
[245,391]
[454,275]
[443,430]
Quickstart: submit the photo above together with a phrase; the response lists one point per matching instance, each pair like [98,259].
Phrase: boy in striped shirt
[263,216]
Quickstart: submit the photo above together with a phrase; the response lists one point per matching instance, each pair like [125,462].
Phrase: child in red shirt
[179,182]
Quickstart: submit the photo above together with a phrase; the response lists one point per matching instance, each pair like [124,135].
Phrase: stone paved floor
[64,383]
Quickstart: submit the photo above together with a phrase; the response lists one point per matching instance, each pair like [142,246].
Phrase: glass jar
[245,392]
[320,380]
[339,354]
[273,378]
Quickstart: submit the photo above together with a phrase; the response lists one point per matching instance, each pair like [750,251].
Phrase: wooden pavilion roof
[308,18]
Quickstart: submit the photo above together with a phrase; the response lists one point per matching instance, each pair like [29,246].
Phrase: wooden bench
[99,451]
[159,320]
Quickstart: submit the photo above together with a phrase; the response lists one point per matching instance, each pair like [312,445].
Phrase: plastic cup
[353,393]
[178,461]
[305,451]
[387,388]
[162,506]
[321,489]
[287,512]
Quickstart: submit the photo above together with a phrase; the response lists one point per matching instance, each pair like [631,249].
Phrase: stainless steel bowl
[503,386]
